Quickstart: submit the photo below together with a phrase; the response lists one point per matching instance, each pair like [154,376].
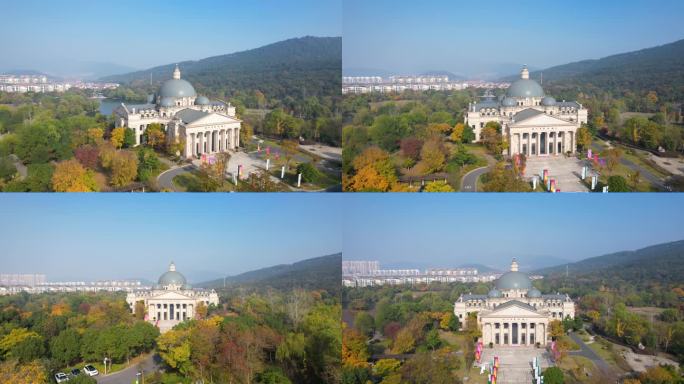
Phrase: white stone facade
[533,124]
[204,126]
[172,301]
[514,312]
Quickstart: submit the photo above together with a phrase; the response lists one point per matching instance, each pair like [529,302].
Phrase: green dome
[172,277]
[202,100]
[525,88]
[494,293]
[513,280]
[534,292]
[177,88]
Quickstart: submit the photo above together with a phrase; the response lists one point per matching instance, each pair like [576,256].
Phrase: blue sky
[100,236]
[141,34]
[447,230]
[485,37]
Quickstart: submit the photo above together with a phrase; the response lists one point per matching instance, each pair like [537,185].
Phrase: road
[469,181]
[165,179]
[645,173]
[589,353]
[126,376]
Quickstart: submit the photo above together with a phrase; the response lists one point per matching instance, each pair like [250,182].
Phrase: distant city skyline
[109,236]
[494,38]
[447,230]
[77,35]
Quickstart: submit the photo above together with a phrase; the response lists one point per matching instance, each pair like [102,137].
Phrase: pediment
[514,310]
[541,120]
[213,118]
[170,295]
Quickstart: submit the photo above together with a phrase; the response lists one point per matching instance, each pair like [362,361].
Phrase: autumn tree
[88,155]
[33,372]
[410,147]
[432,157]
[374,172]
[95,135]
[404,343]
[492,138]
[70,176]
[354,348]
[613,156]
[583,137]
[154,136]
[457,133]
[124,168]
[289,151]
[438,186]
[117,137]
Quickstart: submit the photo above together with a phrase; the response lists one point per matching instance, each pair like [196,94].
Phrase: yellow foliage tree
[457,133]
[354,349]
[32,372]
[117,138]
[70,176]
[124,167]
[95,135]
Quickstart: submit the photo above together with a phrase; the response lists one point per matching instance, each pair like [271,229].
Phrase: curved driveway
[469,181]
[589,353]
[165,179]
[127,375]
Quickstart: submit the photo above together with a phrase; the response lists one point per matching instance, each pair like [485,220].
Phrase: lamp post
[106,359]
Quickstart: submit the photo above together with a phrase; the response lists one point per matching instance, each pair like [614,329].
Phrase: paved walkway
[645,173]
[469,180]
[126,376]
[515,363]
[589,353]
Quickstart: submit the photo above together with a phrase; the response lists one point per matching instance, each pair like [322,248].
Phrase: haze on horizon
[71,36]
[88,237]
[450,230]
[495,38]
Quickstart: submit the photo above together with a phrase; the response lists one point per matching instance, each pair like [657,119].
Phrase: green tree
[387,131]
[583,137]
[66,347]
[553,375]
[365,323]
[617,183]
[129,138]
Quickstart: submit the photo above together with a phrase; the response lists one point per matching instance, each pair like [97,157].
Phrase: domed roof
[202,100]
[494,293]
[172,277]
[509,102]
[534,292]
[167,102]
[513,279]
[150,99]
[548,101]
[177,87]
[525,88]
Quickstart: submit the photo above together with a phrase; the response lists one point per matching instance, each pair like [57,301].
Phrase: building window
[505,325]
[532,326]
[497,325]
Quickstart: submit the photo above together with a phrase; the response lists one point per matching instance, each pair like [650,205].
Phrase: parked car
[75,372]
[61,377]
[90,370]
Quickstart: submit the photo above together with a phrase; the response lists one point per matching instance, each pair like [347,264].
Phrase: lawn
[609,352]
[579,368]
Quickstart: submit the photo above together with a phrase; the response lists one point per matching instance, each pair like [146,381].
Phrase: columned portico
[514,332]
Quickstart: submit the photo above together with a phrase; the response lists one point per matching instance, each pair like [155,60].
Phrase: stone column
[237,137]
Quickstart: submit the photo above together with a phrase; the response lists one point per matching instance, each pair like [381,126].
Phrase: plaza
[515,363]
[567,171]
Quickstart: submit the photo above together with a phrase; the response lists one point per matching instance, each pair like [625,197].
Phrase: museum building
[531,122]
[203,125]
[172,300]
[514,312]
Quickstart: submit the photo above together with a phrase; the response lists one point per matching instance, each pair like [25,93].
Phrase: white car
[61,377]
[90,370]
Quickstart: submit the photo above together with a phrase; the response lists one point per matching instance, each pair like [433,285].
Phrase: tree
[404,343]
[583,137]
[124,169]
[491,138]
[212,175]
[22,344]
[617,183]
[88,155]
[70,176]
[374,172]
[458,133]
[309,172]
[556,328]
[117,137]
[154,136]
[438,186]
[260,181]
[387,131]
[246,133]
[174,349]
[385,367]
[149,165]
[468,135]
[354,349]
[432,156]
[450,322]
[129,138]
[289,151]
[365,323]
[503,179]
[553,375]
[201,311]
[140,310]
[410,147]
[33,372]
[613,156]
[66,347]
[634,179]
[432,340]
